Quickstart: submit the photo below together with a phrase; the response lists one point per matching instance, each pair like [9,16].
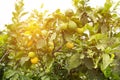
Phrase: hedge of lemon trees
[80,44]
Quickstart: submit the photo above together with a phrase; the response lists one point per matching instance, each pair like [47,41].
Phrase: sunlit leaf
[40,43]
[23,60]
[105,61]
[53,36]
[23,14]
[97,37]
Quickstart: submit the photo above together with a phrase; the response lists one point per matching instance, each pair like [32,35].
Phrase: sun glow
[51,5]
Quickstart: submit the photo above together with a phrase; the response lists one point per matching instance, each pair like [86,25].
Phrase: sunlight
[51,5]
[8,7]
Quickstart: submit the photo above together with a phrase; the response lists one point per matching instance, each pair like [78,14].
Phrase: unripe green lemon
[80,30]
[31,54]
[72,25]
[69,12]
[63,26]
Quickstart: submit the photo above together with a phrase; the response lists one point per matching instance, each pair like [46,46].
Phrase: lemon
[31,54]
[34,60]
[69,12]
[69,45]
[80,30]
[63,26]
[72,25]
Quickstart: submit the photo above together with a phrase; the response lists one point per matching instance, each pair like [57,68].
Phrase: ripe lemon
[34,60]
[69,45]
[31,54]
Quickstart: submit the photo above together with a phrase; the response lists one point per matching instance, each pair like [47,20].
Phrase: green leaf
[108,50]
[9,73]
[97,37]
[49,64]
[107,6]
[45,78]
[11,55]
[15,77]
[19,55]
[53,36]
[22,77]
[23,60]
[107,72]
[89,63]
[73,61]
[106,60]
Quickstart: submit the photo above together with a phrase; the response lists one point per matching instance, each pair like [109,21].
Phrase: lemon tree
[80,44]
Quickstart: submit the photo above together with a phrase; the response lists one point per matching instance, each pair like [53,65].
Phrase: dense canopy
[80,44]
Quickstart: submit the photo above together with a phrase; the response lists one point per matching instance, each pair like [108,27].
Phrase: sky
[7,6]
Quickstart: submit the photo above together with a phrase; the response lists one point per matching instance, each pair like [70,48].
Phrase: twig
[60,45]
[3,56]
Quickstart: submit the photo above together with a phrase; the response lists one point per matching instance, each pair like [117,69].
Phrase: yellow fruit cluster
[34,59]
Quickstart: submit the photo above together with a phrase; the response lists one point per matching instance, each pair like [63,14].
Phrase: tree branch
[64,41]
[3,56]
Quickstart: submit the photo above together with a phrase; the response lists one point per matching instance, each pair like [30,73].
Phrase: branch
[3,56]
[64,41]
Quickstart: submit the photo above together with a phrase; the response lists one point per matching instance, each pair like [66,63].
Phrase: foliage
[74,45]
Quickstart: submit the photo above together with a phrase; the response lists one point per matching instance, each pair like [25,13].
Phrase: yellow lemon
[34,60]
[69,45]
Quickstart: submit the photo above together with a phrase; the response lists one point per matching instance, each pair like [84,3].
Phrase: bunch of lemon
[33,58]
